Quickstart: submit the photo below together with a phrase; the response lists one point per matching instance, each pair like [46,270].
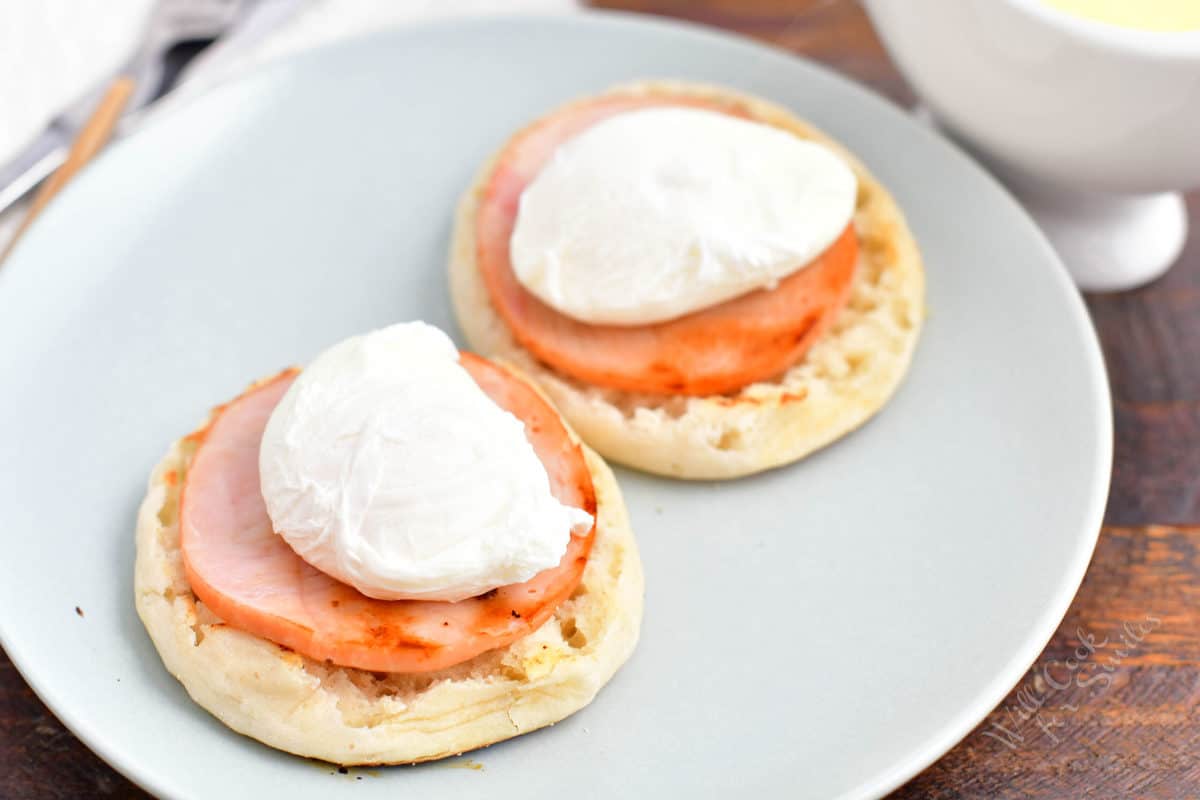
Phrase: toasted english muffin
[351,716]
[844,379]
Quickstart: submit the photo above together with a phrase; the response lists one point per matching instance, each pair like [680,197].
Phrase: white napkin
[51,51]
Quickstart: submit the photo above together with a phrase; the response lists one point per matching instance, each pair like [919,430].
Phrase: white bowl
[1095,127]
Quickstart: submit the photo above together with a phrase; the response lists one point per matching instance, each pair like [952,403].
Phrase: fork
[74,137]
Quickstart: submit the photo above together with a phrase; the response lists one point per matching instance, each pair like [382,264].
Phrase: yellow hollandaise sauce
[1142,15]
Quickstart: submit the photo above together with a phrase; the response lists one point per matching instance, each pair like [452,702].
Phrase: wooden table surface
[1126,723]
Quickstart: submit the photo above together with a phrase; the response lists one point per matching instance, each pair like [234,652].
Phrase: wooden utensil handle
[91,138]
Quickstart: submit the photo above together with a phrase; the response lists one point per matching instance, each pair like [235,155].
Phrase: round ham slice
[250,578]
[712,351]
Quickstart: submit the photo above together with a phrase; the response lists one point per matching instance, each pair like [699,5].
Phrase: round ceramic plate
[826,629]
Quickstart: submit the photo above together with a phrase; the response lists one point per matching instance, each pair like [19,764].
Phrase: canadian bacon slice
[251,579]
[754,337]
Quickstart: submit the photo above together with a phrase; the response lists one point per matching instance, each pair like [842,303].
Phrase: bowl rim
[1150,44]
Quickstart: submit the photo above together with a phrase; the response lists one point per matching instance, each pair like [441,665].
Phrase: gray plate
[827,629]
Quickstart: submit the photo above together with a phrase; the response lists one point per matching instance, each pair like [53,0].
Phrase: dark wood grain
[1126,722]
[1151,340]
[834,32]
[1134,732]
[39,758]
